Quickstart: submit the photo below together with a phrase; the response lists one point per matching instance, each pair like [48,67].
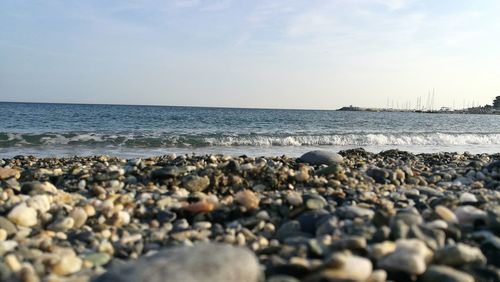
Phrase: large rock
[319,157]
[204,262]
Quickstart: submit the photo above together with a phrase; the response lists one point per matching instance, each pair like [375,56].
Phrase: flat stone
[460,254]
[443,273]
[319,157]
[203,262]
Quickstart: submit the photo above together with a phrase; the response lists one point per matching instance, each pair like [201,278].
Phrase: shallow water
[133,131]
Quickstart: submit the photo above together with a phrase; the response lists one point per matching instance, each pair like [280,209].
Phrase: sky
[313,54]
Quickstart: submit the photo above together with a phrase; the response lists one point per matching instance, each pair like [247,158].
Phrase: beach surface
[351,216]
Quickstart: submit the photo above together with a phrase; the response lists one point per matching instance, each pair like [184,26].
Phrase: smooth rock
[294,198]
[380,250]
[446,214]
[344,268]
[203,262]
[351,212]
[67,265]
[460,254]
[467,197]
[23,215]
[443,273]
[470,215]
[315,202]
[411,256]
[319,157]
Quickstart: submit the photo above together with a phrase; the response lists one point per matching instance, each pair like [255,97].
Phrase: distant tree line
[496,103]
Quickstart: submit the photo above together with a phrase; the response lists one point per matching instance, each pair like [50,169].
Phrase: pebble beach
[347,216]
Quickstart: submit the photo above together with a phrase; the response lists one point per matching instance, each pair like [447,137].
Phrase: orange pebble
[201,206]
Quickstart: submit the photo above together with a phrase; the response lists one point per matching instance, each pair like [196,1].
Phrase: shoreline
[354,216]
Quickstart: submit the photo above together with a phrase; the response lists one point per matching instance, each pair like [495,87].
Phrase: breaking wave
[169,140]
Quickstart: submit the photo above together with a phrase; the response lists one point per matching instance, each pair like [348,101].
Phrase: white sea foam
[437,139]
[156,140]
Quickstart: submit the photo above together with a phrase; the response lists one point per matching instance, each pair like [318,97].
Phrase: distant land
[493,109]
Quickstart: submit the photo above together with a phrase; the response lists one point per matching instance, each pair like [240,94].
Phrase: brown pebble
[248,199]
[201,206]
[6,173]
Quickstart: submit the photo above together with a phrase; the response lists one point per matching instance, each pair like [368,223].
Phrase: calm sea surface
[132,131]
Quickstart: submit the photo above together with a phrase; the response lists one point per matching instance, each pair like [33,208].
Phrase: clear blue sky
[279,54]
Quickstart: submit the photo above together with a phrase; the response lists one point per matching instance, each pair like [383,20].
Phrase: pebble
[61,225]
[67,264]
[380,250]
[203,262]
[467,198]
[294,198]
[194,183]
[460,254]
[470,215]
[3,235]
[40,203]
[79,217]
[315,202]
[351,212]
[248,199]
[13,263]
[7,225]
[344,268]
[319,157]
[6,173]
[446,214]
[411,256]
[23,215]
[443,273]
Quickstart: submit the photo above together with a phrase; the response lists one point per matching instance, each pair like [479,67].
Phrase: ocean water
[134,131]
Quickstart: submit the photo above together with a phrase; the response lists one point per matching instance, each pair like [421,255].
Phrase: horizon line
[173,106]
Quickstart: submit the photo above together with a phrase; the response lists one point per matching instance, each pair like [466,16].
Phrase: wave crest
[169,140]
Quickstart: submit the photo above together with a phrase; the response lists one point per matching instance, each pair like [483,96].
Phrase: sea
[56,130]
